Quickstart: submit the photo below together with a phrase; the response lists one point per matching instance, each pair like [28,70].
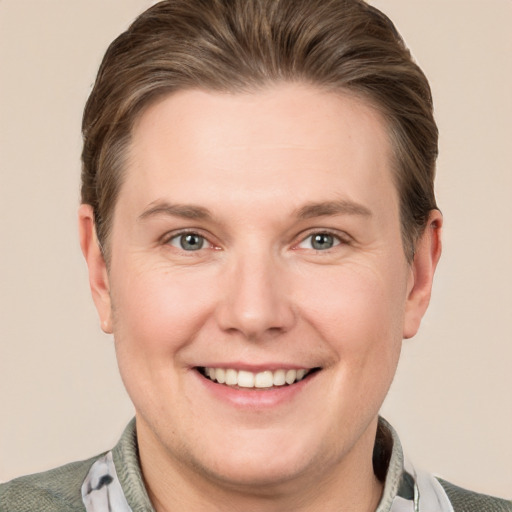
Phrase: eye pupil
[322,241]
[191,242]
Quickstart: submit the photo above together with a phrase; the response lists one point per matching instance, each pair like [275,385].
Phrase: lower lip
[255,398]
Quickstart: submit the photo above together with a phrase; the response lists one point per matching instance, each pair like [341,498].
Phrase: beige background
[60,396]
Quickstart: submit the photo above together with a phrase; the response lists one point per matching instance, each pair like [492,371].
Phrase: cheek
[358,311]
[358,314]
[156,315]
[157,312]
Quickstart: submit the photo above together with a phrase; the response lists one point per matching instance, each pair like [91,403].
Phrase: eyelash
[338,239]
[177,236]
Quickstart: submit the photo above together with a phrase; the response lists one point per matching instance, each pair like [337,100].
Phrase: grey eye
[188,241]
[320,242]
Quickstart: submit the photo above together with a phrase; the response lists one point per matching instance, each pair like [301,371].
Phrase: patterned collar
[114,482]
[405,489]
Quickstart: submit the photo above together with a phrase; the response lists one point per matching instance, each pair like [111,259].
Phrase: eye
[188,241]
[320,241]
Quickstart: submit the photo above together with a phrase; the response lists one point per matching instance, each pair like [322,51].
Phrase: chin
[259,473]
[261,462]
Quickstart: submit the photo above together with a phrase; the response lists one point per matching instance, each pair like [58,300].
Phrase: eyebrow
[341,207]
[308,211]
[185,211]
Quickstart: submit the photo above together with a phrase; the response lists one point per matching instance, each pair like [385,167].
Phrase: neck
[347,485]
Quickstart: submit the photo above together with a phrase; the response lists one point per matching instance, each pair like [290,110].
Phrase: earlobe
[98,276]
[428,252]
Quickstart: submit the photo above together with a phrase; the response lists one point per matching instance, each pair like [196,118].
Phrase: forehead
[289,138]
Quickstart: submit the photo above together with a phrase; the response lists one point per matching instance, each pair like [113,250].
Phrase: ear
[428,252]
[98,276]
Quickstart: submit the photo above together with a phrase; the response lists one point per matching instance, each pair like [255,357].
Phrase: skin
[258,294]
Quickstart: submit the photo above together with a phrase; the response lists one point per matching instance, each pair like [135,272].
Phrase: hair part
[243,45]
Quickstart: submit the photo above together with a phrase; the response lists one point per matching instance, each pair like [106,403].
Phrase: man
[261,232]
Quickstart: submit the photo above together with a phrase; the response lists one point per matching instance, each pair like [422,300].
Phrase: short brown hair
[240,45]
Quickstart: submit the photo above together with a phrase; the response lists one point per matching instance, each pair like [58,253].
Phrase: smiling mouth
[261,380]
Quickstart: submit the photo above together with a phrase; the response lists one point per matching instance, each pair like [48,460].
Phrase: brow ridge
[185,211]
[309,210]
[338,207]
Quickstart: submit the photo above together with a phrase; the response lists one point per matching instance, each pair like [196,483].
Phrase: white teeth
[245,379]
[220,375]
[291,376]
[279,378]
[264,380]
[231,377]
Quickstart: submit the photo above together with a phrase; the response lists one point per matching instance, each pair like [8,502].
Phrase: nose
[256,300]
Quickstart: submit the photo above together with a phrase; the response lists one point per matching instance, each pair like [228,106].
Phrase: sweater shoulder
[56,490]
[464,500]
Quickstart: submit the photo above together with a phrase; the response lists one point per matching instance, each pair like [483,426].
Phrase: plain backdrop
[60,395]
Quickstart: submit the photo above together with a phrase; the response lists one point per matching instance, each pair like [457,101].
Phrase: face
[258,290]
